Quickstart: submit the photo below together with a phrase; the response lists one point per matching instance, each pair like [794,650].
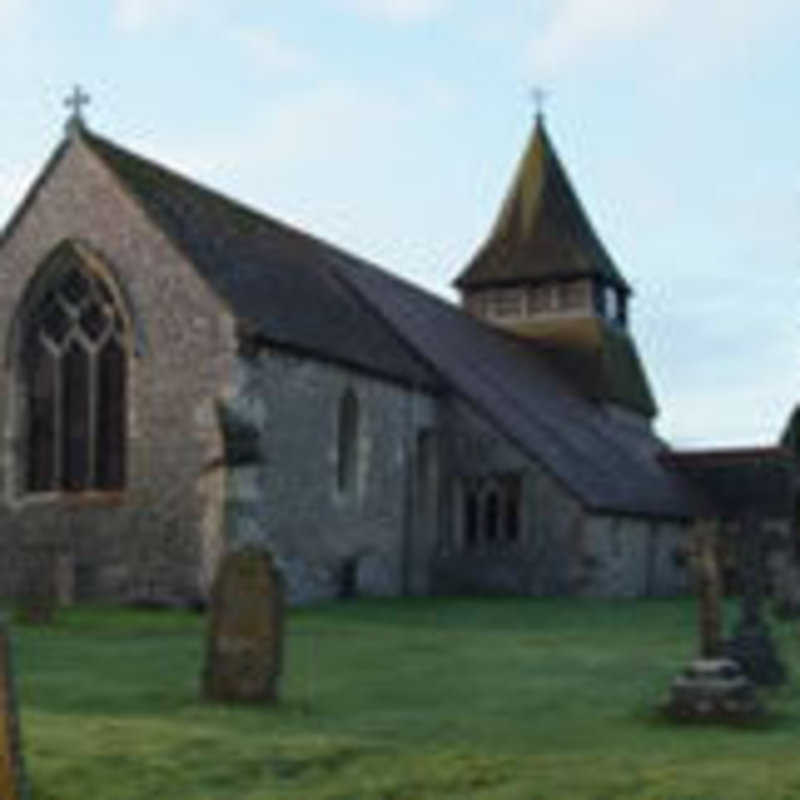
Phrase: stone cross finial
[539,96]
[75,102]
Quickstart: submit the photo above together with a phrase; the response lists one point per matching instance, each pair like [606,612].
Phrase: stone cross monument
[710,687]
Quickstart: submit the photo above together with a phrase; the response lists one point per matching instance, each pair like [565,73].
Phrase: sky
[392,128]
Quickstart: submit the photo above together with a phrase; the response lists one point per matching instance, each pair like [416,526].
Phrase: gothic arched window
[347,445]
[74,369]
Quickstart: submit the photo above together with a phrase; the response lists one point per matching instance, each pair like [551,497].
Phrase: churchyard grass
[484,699]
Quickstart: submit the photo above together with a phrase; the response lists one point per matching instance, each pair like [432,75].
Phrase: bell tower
[544,274]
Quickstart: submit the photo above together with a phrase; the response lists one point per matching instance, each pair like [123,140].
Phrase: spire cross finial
[539,96]
[75,101]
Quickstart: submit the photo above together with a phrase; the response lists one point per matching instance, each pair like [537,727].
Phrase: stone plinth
[12,778]
[713,689]
[245,635]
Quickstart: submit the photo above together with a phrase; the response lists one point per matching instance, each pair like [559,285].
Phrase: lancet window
[347,445]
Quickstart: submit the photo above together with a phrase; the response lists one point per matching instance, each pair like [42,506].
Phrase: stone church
[407,445]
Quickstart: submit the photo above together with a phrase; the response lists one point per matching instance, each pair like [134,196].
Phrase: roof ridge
[55,156]
[251,255]
[257,214]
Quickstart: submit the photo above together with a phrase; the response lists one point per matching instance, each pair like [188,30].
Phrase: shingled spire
[543,273]
[542,232]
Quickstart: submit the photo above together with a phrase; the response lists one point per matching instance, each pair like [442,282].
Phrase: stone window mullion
[91,438]
[58,424]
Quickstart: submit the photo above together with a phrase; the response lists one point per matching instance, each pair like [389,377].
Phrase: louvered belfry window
[74,364]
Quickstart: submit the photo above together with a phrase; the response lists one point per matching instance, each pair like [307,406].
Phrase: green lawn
[497,699]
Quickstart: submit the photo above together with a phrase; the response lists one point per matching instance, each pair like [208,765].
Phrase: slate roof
[610,465]
[599,359]
[295,290]
[542,232]
[275,279]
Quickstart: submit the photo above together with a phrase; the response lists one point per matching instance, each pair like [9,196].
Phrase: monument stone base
[713,689]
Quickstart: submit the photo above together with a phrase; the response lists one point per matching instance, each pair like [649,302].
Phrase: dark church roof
[297,291]
[542,232]
[274,278]
[609,464]
[598,358]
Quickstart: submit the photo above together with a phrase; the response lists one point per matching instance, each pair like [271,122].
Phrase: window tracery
[74,372]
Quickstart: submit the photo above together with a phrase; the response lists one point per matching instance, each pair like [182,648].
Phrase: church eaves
[542,232]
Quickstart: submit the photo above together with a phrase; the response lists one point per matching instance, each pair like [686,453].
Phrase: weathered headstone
[751,644]
[245,636]
[12,775]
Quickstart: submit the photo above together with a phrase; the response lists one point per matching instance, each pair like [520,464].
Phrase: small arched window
[347,445]
[73,365]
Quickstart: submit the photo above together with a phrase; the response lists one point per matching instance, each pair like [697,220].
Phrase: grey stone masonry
[323,534]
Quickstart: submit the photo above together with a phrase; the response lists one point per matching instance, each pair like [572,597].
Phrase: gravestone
[12,777]
[751,644]
[245,636]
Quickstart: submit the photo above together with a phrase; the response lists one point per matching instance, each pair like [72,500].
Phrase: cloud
[682,36]
[10,10]
[294,139]
[341,160]
[576,28]
[270,53]
[399,11]
[136,15]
